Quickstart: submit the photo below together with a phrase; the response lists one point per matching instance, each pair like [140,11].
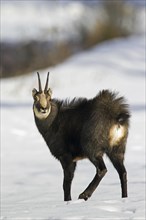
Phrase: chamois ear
[49,92]
[34,92]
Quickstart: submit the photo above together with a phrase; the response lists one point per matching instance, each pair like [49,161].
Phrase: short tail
[122,118]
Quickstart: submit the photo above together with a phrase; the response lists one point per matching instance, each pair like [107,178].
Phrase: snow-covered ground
[32,179]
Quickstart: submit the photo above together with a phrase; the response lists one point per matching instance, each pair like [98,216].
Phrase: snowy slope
[32,179]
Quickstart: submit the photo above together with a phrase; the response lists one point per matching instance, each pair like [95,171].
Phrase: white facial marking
[41,115]
[116,133]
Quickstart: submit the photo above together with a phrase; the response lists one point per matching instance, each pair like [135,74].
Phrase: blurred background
[40,34]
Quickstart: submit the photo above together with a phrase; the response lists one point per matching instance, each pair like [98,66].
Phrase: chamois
[84,128]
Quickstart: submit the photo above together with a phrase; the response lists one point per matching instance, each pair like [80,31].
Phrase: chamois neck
[44,124]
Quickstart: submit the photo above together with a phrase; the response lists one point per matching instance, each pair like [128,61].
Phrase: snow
[31,179]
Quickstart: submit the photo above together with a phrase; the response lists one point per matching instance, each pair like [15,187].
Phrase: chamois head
[42,106]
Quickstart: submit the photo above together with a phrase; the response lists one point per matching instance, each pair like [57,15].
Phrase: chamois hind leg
[117,160]
[68,168]
[100,172]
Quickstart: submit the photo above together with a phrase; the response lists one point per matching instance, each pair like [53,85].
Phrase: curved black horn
[39,81]
[46,86]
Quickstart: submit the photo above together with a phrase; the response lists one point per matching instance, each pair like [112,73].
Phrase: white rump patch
[116,133]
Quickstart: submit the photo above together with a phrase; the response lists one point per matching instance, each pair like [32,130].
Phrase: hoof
[84,196]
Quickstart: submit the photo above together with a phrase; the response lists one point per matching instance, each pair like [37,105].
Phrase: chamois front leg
[68,168]
[100,172]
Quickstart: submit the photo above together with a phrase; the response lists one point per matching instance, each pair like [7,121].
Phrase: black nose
[43,110]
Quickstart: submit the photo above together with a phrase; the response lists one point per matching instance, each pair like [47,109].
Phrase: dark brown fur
[81,129]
